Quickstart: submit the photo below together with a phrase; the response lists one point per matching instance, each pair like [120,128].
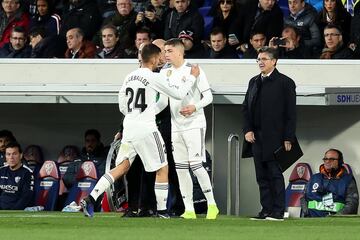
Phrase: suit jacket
[278,111]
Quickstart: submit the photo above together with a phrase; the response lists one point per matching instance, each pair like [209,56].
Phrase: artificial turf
[55,225]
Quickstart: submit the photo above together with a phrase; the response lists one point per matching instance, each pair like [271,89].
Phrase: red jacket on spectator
[87,50]
[19,19]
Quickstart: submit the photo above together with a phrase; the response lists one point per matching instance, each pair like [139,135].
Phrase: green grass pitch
[55,225]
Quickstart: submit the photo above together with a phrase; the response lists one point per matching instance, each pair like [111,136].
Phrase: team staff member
[137,101]
[269,111]
[16,181]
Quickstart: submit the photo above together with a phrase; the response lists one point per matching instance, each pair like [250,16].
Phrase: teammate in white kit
[188,125]
[137,101]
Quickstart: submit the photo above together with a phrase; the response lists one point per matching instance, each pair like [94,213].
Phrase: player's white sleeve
[161,103]
[178,92]
[122,100]
[206,99]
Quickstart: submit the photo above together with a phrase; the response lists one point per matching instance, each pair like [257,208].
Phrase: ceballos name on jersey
[138,78]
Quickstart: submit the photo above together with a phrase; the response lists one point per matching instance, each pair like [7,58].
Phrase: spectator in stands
[142,36]
[218,46]
[334,45]
[42,45]
[291,47]
[303,16]
[16,181]
[6,137]
[17,47]
[264,16]
[124,21]
[183,17]
[46,18]
[83,14]
[110,41]
[192,49]
[257,41]
[107,8]
[147,18]
[78,47]
[94,151]
[331,191]
[355,35]
[11,15]
[33,158]
[161,9]
[226,18]
[334,12]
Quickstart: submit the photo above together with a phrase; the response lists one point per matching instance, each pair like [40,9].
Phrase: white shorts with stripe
[151,150]
[189,145]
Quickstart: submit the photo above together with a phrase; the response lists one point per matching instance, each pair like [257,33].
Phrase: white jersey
[137,100]
[177,76]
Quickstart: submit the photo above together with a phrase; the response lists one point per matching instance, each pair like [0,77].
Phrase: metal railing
[237,174]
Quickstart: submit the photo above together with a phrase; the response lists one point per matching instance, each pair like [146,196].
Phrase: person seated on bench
[332,190]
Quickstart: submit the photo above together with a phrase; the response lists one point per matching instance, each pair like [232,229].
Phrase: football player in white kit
[137,101]
[188,126]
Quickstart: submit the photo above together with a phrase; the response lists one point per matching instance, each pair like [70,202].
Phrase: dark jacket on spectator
[51,24]
[85,15]
[342,52]
[46,48]
[116,52]
[268,22]
[231,24]
[305,22]
[189,20]
[250,53]
[7,51]
[226,53]
[126,27]
[7,24]
[300,52]
[87,50]
[197,51]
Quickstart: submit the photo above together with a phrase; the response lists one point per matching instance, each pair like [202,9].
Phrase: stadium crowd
[209,29]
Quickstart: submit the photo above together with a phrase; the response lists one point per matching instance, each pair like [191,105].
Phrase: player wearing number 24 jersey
[137,100]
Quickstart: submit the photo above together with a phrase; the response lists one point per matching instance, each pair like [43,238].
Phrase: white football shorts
[189,145]
[151,150]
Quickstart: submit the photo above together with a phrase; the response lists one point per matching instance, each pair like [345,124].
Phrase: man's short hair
[272,52]
[331,26]
[295,29]
[37,31]
[253,33]
[19,29]
[144,30]
[217,31]
[112,27]
[149,51]
[13,145]
[339,153]
[175,42]
[78,32]
[93,132]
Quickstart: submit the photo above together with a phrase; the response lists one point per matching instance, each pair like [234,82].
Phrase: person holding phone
[290,45]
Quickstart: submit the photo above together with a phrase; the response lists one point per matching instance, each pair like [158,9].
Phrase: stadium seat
[63,166]
[298,179]
[284,6]
[86,179]
[47,186]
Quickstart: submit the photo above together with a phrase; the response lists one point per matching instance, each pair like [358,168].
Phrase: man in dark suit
[269,111]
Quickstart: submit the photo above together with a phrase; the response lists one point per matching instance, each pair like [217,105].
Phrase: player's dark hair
[149,51]
[13,145]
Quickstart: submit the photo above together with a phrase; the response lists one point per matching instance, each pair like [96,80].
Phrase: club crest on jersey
[17,179]
[169,72]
